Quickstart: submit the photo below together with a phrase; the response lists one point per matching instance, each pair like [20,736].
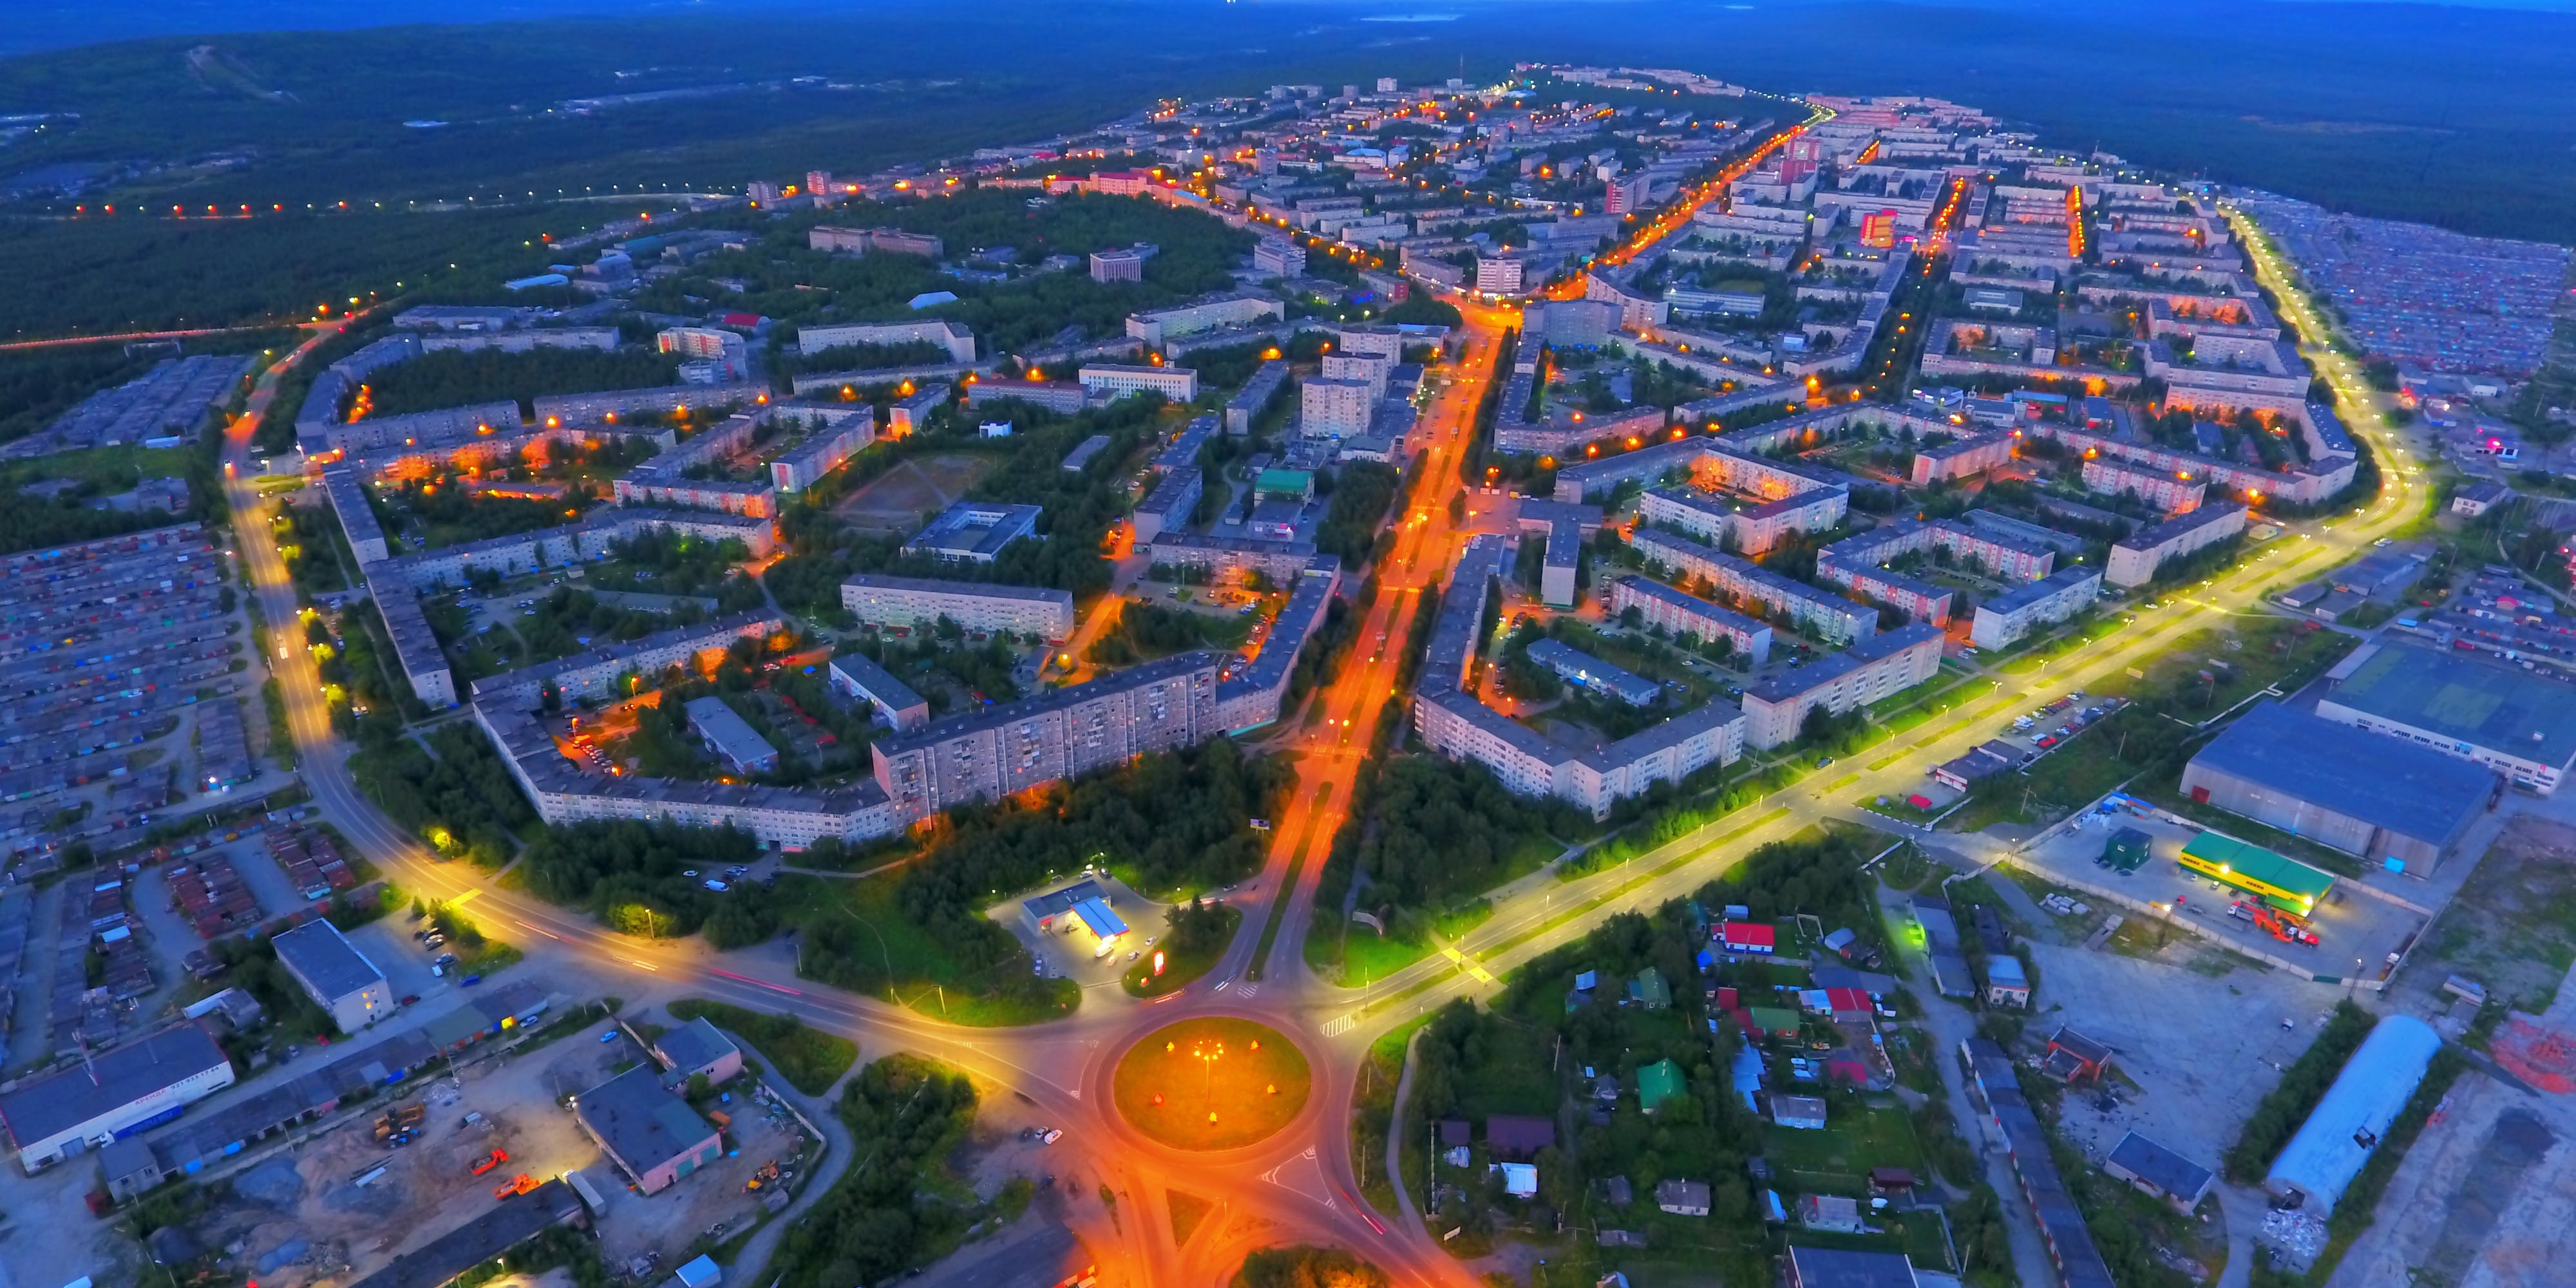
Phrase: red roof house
[1749,937]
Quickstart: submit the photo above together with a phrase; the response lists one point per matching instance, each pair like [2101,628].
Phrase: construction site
[341,1205]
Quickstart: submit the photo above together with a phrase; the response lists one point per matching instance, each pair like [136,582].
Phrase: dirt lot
[2200,1048]
[2480,1201]
[2512,928]
[895,500]
[668,1223]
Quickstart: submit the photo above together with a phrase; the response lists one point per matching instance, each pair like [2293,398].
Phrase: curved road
[1300,1185]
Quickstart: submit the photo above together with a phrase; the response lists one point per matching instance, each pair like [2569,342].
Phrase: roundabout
[1211,1083]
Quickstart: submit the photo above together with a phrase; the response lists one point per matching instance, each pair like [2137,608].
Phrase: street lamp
[1207,1055]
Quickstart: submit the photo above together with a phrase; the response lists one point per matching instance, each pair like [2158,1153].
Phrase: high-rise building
[1279,257]
[766,193]
[1386,84]
[1330,408]
[1627,194]
[1799,159]
[1498,275]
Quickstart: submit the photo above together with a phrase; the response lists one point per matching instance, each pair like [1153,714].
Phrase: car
[2382,541]
[447,959]
[2047,742]
[609,1036]
[469,981]
[690,873]
[438,970]
[1053,1135]
[712,884]
[434,941]
[411,999]
[1822,761]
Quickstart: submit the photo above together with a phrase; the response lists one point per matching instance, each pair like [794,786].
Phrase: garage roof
[2410,790]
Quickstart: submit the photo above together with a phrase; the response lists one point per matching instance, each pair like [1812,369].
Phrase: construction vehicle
[2288,927]
[490,1161]
[519,1184]
[767,1175]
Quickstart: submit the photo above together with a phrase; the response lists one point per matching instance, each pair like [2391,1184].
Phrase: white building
[1114,381]
[950,336]
[2007,617]
[1874,668]
[909,602]
[2135,558]
[1279,257]
[1334,408]
[84,1105]
[335,974]
[1500,275]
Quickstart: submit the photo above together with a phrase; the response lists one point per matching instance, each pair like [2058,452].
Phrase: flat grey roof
[694,1044]
[2160,1167]
[725,727]
[2466,699]
[66,1098]
[1789,684]
[943,586]
[2031,592]
[644,1124]
[325,959]
[876,681]
[992,717]
[1575,664]
[2388,782]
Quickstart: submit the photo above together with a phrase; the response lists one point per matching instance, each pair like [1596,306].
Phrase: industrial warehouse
[2387,801]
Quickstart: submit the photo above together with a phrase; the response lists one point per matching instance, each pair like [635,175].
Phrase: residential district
[2043,689]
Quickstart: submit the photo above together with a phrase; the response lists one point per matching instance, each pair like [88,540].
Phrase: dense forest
[795,284]
[455,377]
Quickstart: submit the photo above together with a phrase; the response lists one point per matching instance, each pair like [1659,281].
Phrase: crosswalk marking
[1340,1024]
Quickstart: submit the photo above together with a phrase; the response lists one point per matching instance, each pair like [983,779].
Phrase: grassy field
[810,1059]
[1855,1139]
[1373,1116]
[1188,1210]
[1351,955]
[928,976]
[1212,1083]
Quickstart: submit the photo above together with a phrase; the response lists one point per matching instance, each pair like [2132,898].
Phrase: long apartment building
[989,754]
[1687,614]
[876,599]
[780,818]
[2174,492]
[1451,719]
[1254,694]
[591,539]
[2135,557]
[1216,312]
[1826,616]
[602,672]
[1874,668]
[2304,484]
[1112,381]
[950,337]
[825,450]
[2008,617]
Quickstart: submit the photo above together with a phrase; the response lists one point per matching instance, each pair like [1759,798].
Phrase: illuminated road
[1300,1185]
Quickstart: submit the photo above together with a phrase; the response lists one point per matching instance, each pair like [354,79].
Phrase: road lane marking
[465,896]
[1340,1025]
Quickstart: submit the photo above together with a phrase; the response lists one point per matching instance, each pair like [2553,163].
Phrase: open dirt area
[2481,1200]
[2200,1048]
[2512,927]
[895,500]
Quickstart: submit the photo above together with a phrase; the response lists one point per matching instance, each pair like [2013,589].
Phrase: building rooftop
[732,735]
[975,530]
[1583,668]
[2410,790]
[2028,593]
[1839,1268]
[325,959]
[642,1122]
[1788,685]
[1153,672]
[2159,1166]
[52,1103]
[694,1045]
[2154,535]
[2466,699]
[880,683]
[941,586]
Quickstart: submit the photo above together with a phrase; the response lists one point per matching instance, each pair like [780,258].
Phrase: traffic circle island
[1211,1083]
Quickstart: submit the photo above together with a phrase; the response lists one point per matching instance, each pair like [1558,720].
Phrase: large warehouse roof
[55,1102]
[2364,1100]
[2453,695]
[2410,790]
